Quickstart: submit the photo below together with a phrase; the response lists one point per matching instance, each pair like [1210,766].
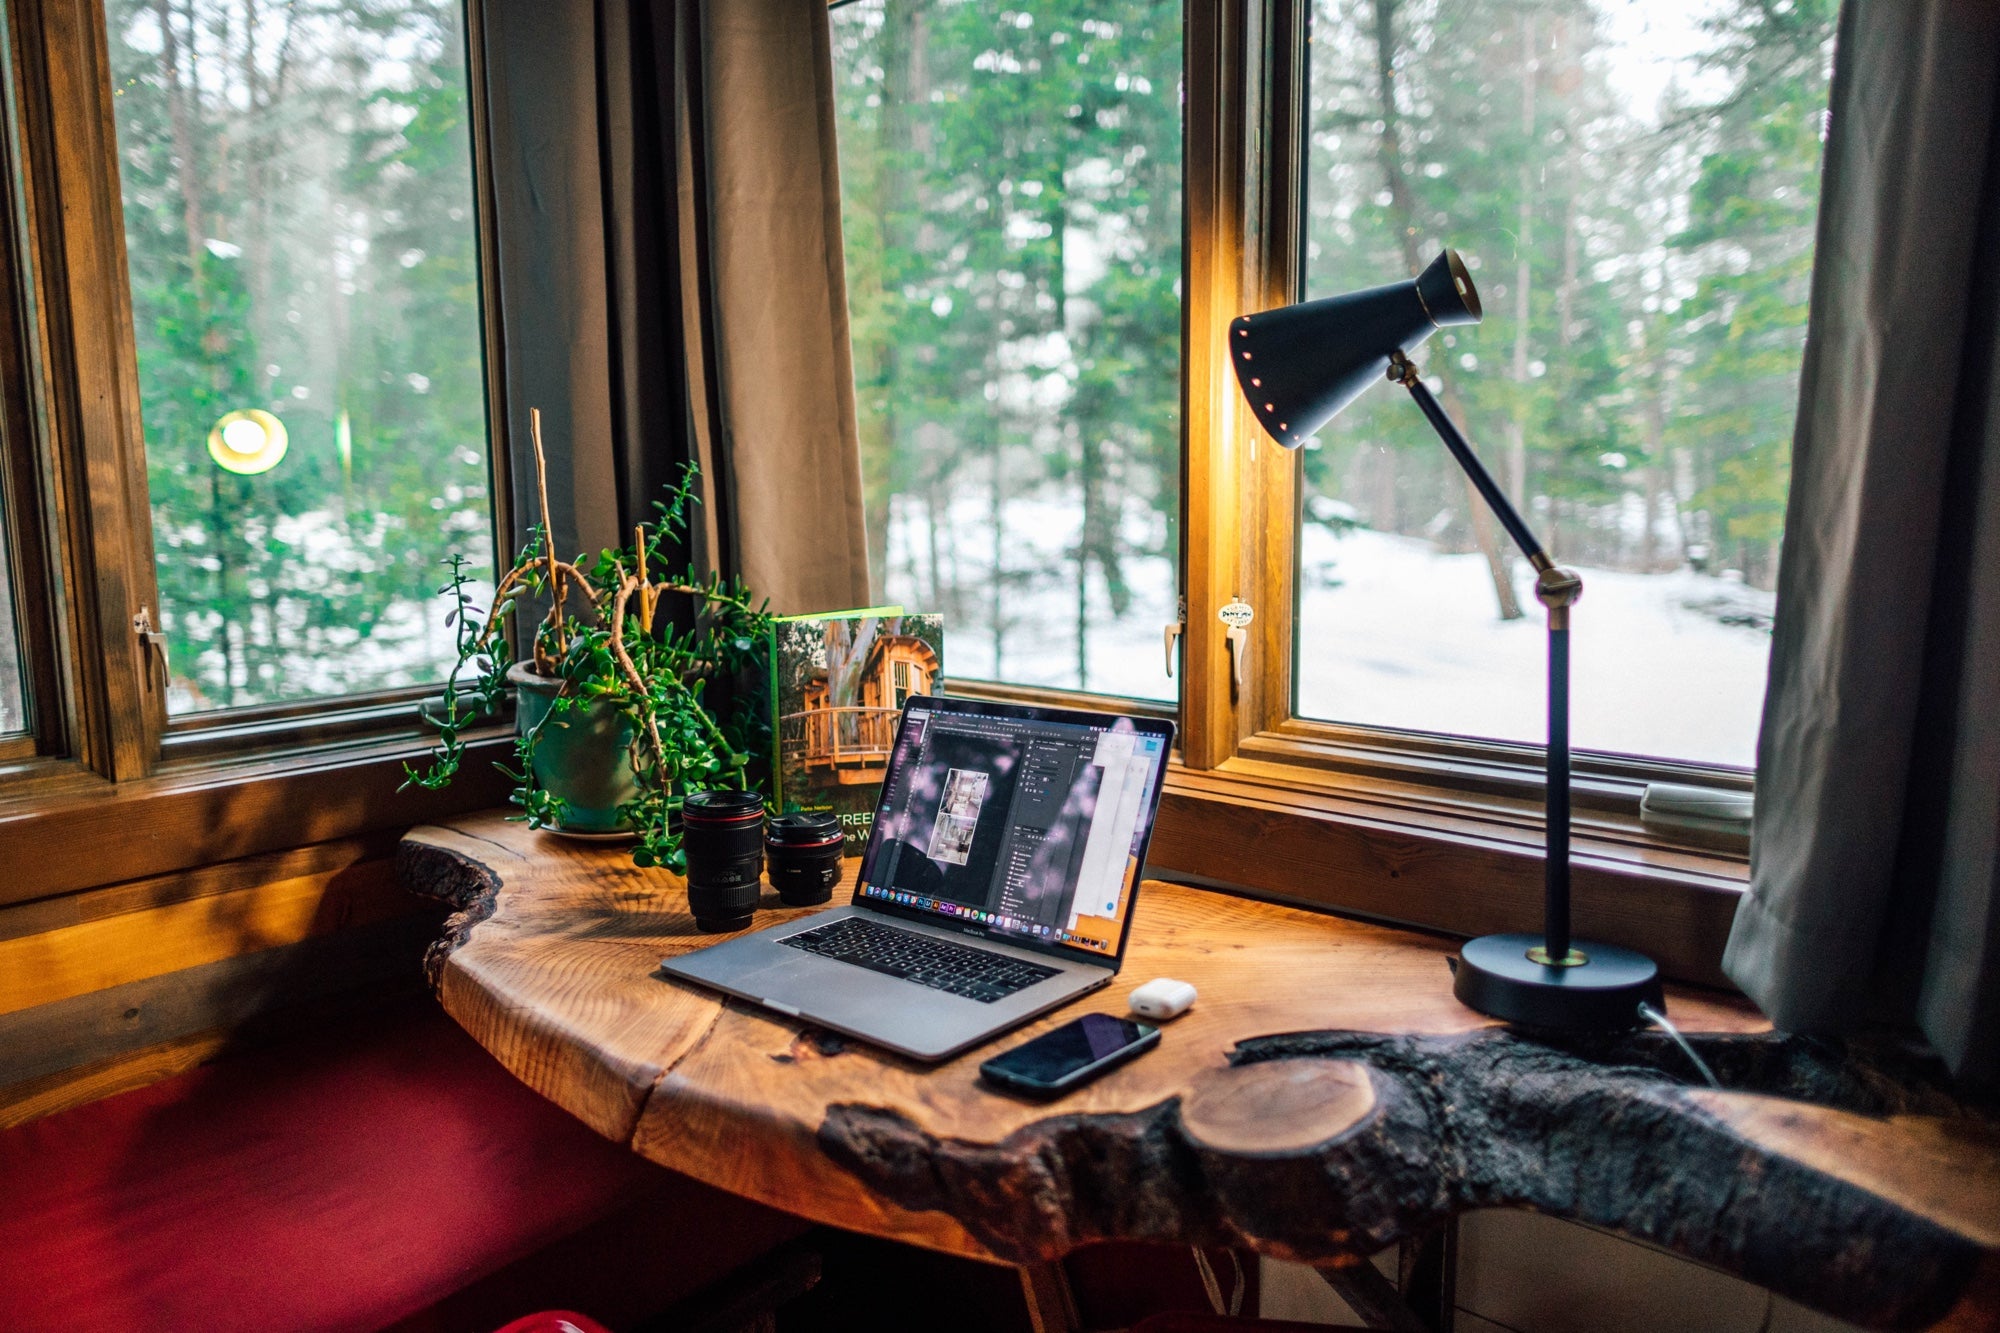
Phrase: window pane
[299,222]
[1634,186]
[1012,190]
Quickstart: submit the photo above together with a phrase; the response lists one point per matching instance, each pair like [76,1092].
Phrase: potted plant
[613,726]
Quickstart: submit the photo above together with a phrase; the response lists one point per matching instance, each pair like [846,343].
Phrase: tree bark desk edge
[1325,1097]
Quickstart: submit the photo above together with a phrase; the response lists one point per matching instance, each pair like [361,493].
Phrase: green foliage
[300,236]
[606,644]
[1644,279]
[1011,183]
[1751,216]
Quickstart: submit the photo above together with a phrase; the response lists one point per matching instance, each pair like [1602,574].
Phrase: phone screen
[1071,1048]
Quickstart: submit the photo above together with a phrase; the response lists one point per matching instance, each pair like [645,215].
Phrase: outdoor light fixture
[247,442]
[1298,367]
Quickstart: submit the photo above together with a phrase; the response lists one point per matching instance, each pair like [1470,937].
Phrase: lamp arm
[1557,589]
[1404,372]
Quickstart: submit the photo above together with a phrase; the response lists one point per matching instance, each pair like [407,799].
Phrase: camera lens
[722,833]
[804,851]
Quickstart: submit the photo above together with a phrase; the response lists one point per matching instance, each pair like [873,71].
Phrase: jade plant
[607,643]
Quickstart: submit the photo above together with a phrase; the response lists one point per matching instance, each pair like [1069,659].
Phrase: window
[1348,680]
[301,239]
[1634,187]
[1012,206]
[243,405]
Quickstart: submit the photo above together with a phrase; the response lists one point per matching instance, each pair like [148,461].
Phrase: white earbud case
[1162,998]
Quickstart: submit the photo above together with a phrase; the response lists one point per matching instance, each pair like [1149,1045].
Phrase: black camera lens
[722,833]
[804,851]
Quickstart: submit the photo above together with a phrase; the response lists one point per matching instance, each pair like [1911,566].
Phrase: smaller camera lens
[804,852]
[722,833]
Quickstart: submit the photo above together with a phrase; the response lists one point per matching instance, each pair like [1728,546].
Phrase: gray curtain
[1874,876]
[671,281]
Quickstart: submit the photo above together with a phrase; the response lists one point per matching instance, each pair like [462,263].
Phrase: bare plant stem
[626,585]
[548,538]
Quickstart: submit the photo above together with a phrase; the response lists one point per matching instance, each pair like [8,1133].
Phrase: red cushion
[555,1321]
[345,1181]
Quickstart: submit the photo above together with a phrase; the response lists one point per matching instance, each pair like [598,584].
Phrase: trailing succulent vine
[605,639]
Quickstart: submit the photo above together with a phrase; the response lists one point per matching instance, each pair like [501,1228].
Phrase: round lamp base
[1495,975]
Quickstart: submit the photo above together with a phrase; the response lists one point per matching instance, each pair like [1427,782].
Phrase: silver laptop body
[1019,832]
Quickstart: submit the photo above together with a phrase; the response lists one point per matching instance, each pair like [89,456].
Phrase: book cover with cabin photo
[838,683]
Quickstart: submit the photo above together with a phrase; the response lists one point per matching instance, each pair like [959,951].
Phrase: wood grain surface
[1325,1097]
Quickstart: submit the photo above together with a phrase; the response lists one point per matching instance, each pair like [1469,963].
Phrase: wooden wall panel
[73,909]
[116,987]
[1289,847]
[120,1020]
[22,1102]
[162,825]
[132,946]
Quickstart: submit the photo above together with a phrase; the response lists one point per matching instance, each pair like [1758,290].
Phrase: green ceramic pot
[585,757]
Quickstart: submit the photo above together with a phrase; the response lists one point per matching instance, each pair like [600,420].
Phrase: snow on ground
[1125,654]
[1409,637]
[1393,633]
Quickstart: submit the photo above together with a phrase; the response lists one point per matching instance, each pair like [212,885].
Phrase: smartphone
[1070,1056]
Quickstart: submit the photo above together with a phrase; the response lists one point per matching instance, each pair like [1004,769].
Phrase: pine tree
[300,238]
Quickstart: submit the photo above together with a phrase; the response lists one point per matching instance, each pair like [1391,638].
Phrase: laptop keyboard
[977,974]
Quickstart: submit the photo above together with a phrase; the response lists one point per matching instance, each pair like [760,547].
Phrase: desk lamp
[1298,367]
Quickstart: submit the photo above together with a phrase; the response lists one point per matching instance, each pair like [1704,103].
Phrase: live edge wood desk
[1324,1098]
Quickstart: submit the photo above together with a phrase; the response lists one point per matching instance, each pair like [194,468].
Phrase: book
[838,684]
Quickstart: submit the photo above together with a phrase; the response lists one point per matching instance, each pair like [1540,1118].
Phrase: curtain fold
[778,353]
[549,278]
[1873,865]
[671,280]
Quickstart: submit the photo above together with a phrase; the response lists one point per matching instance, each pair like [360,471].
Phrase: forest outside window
[303,252]
[1011,179]
[1635,188]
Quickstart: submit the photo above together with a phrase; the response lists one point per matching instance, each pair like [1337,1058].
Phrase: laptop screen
[1029,825]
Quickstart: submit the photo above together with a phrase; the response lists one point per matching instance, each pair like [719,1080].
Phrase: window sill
[1499,781]
[207,739]
[220,810]
[1461,862]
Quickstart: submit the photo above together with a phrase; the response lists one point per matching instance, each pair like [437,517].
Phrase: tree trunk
[933,521]
[1655,417]
[1403,207]
[894,199]
[186,174]
[1517,426]
[998,579]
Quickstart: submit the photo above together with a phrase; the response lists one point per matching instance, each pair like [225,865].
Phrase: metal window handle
[154,642]
[1237,616]
[1173,637]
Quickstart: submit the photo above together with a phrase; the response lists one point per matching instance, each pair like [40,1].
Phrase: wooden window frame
[1433,830]
[104,767]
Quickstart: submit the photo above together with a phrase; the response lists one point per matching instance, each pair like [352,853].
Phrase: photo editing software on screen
[1029,828]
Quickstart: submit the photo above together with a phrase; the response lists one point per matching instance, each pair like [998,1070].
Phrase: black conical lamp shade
[1301,364]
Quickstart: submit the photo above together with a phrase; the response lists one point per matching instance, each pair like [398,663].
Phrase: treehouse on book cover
[841,682]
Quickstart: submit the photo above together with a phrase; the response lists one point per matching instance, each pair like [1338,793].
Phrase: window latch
[1237,616]
[1173,636]
[153,643]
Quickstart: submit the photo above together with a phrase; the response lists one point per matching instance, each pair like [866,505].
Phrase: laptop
[998,881]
